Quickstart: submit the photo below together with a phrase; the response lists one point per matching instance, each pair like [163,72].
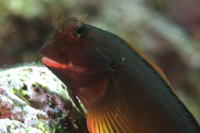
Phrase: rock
[33,100]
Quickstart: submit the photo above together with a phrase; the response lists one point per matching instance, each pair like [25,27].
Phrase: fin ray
[112,115]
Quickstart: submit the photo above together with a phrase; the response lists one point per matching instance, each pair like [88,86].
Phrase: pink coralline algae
[33,100]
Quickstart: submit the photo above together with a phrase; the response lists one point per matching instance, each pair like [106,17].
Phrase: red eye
[79,31]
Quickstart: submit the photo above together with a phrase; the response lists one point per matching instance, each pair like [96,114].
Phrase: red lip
[52,63]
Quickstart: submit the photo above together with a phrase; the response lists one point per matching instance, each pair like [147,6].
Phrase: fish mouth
[51,63]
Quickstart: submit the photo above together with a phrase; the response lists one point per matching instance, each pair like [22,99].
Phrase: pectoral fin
[112,115]
[77,103]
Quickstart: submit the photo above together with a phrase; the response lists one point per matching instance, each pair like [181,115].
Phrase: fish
[122,90]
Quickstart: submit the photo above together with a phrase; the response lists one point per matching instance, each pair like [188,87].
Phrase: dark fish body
[123,91]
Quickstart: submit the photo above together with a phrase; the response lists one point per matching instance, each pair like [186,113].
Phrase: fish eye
[80,31]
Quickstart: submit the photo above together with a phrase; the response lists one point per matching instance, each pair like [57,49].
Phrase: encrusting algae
[33,100]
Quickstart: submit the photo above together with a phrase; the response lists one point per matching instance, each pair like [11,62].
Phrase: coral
[33,100]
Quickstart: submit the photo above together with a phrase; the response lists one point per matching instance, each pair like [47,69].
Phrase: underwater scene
[99,66]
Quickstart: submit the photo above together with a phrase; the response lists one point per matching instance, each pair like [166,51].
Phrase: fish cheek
[89,57]
[95,61]
[103,64]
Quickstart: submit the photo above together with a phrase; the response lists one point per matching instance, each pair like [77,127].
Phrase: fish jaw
[51,63]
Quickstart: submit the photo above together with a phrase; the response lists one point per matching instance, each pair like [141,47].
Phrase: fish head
[75,53]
